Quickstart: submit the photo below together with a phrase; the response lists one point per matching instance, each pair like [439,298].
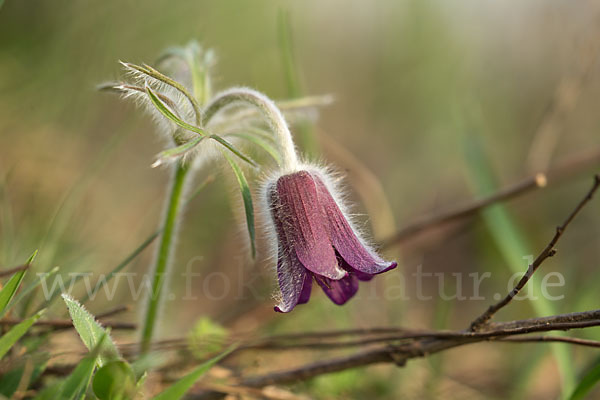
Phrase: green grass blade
[33,285]
[10,289]
[121,265]
[586,384]
[180,388]
[79,379]
[50,392]
[90,331]
[247,198]
[76,384]
[15,333]
[513,245]
[55,293]
[164,110]
[147,242]
[63,214]
[287,54]
[19,371]
[294,87]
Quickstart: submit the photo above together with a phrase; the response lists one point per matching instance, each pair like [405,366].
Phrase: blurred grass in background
[414,81]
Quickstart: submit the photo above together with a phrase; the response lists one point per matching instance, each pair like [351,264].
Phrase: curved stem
[165,251]
[283,136]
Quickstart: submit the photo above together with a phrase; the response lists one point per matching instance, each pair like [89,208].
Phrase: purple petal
[292,283]
[302,225]
[339,291]
[306,288]
[345,241]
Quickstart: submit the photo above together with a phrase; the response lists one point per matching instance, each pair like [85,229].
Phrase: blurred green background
[436,103]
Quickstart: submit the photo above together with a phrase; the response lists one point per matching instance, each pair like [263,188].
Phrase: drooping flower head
[316,241]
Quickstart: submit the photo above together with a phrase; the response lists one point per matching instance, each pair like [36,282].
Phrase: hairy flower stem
[165,252]
[283,136]
[201,90]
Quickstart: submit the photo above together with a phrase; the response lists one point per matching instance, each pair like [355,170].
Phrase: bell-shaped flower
[316,241]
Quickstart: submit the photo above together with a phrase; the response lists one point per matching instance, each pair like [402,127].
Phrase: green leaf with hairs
[153,73]
[15,333]
[164,110]
[90,331]
[247,198]
[180,388]
[178,151]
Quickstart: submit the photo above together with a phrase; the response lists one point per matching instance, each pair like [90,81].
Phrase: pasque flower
[316,241]
[314,238]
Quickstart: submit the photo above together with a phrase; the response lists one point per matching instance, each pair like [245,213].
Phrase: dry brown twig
[57,324]
[431,343]
[548,251]
[10,271]
[573,165]
[428,222]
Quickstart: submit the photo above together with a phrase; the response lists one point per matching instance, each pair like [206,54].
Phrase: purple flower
[316,240]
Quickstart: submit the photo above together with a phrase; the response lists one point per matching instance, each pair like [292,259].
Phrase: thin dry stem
[10,271]
[548,251]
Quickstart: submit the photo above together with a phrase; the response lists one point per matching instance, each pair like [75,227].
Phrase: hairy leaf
[164,110]
[90,331]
